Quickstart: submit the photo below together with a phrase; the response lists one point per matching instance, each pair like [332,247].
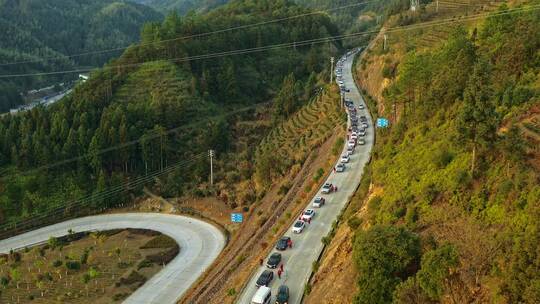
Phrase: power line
[83,201]
[196,35]
[292,44]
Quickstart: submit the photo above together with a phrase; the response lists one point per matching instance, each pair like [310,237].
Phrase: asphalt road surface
[307,246]
[200,243]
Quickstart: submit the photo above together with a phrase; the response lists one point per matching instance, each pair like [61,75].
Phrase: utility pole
[211,153]
[331,70]
[384,43]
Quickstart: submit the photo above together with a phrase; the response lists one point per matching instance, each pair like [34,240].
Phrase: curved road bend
[200,243]
[307,246]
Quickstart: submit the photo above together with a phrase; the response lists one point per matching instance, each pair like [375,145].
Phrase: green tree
[94,151]
[435,268]
[53,242]
[286,102]
[384,256]
[98,199]
[513,147]
[15,276]
[478,120]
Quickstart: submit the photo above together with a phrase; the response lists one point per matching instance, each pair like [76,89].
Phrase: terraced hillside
[292,140]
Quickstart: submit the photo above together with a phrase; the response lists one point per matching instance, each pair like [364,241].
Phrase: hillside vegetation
[182,6]
[33,30]
[150,112]
[455,217]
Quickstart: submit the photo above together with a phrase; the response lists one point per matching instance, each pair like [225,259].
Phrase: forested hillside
[454,208]
[33,30]
[355,17]
[149,109]
[182,6]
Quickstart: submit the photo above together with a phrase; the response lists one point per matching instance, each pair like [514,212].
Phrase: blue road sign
[237,217]
[382,122]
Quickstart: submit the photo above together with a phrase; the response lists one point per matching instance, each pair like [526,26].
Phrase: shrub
[4,281]
[84,257]
[162,258]
[284,188]
[261,221]
[315,266]
[354,222]
[443,158]
[307,289]
[374,204]
[133,277]
[57,263]
[73,265]
[384,255]
[318,175]
[326,240]
[15,257]
[142,264]
[119,296]
[231,292]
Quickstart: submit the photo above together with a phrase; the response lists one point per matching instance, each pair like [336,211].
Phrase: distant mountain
[182,6]
[37,29]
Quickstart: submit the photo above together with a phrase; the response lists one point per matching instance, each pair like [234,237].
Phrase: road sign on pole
[237,217]
[382,123]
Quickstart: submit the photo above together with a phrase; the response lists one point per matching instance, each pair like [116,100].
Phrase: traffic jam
[274,265]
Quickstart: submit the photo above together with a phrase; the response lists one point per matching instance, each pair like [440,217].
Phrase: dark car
[282,295]
[265,278]
[283,243]
[273,260]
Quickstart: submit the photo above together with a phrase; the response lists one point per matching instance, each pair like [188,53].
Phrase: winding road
[200,243]
[307,246]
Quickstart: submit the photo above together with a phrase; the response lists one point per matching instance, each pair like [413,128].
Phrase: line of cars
[263,294]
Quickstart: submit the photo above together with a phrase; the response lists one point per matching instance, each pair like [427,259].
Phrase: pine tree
[478,119]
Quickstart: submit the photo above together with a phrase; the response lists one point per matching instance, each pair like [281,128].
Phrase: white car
[298,227]
[308,215]
[318,202]
[364,125]
[361,142]
[327,188]
[361,107]
[340,168]
[350,151]
[345,158]
[362,133]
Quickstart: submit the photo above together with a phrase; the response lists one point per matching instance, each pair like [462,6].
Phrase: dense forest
[182,6]
[33,30]
[356,17]
[143,111]
[455,218]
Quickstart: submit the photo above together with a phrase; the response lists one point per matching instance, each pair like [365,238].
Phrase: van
[262,296]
